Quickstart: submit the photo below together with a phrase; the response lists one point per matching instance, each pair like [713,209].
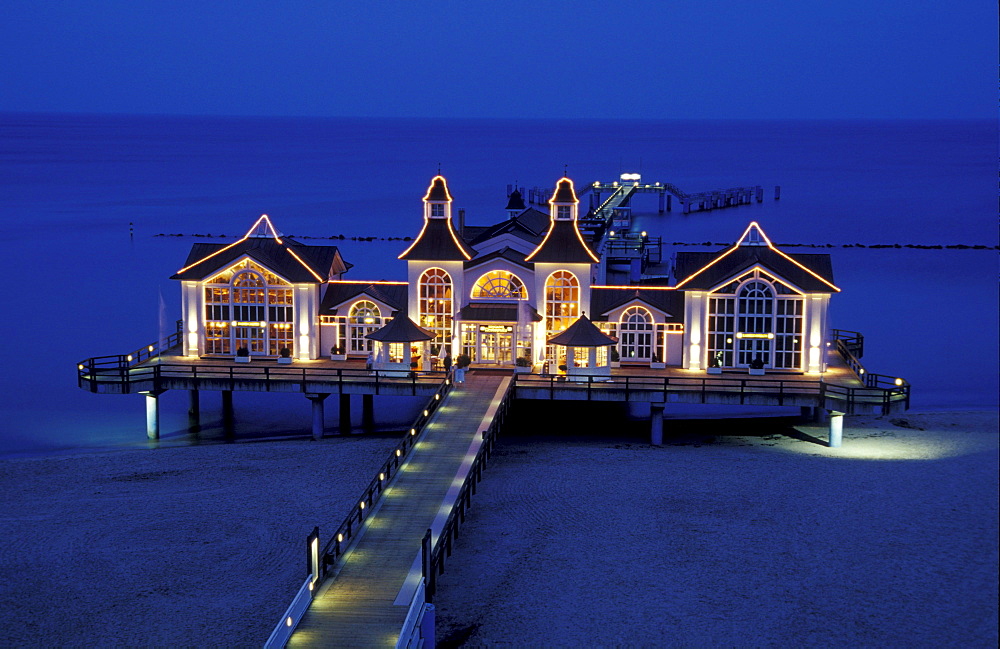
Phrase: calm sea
[80,285]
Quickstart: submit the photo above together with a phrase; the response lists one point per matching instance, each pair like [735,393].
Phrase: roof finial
[439,168]
[565,171]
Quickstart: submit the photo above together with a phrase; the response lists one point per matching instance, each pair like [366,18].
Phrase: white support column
[836,428]
[152,414]
[656,424]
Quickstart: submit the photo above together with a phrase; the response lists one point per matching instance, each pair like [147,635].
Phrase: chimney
[461,222]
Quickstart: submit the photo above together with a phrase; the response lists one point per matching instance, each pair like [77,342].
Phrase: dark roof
[604,300]
[438,241]
[438,190]
[562,244]
[692,274]
[337,293]
[582,333]
[512,226]
[511,255]
[515,201]
[502,312]
[276,255]
[400,330]
[535,220]
[564,192]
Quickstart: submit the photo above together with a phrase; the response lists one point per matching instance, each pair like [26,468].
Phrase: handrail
[341,539]
[853,340]
[96,371]
[433,554]
[881,392]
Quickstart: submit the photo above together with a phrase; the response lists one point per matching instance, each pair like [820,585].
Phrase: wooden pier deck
[366,603]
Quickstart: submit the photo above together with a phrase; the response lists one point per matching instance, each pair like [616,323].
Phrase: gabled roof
[706,270]
[508,253]
[512,226]
[400,330]
[438,241]
[392,294]
[603,300]
[535,220]
[563,244]
[582,333]
[296,262]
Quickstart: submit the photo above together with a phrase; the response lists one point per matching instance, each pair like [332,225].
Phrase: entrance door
[487,347]
[751,348]
[253,338]
[504,348]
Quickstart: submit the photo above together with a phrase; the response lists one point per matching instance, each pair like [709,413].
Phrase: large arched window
[363,318]
[436,305]
[501,285]
[562,301]
[636,331]
[755,322]
[249,307]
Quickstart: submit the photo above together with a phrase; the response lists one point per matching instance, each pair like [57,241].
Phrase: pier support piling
[777,192]
[368,412]
[836,428]
[318,423]
[345,414]
[194,411]
[153,414]
[228,418]
[656,424]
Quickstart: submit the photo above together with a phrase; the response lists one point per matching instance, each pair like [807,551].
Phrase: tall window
[248,306]
[501,285]
[721,329]
[435,304]
[363,318]
[755,308]
[562,301]
[788,334]
[636,334]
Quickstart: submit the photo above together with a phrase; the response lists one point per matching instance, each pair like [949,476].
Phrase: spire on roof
[565,193]
[437,192]
[263,228]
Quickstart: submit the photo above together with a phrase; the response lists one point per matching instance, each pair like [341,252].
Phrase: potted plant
[338,353]
[522,365]
[284,356]
[242,355]
[614,356]
[757,366]
[413,370]
[655,362]
[715,364]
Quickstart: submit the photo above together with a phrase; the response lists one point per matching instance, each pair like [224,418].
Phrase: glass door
[751,348]
[487,347]
[253,338]
[504,353]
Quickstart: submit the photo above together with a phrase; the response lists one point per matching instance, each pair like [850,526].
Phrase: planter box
[338,357]
[521,370]
[285,361]
[714,370]
[616,364]
[657,366]
[242,359]
[754,372]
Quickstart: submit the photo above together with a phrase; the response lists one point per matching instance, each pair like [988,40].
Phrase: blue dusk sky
[508,59]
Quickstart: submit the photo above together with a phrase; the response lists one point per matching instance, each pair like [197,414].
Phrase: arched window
[755,322]
[501,285]
[562,301]
[248,306]
[363,318]
[435,304]
[636,330]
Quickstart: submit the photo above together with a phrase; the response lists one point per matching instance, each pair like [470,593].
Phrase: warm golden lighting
[129,357]
[150,348]
[899,382]
[437,397]
[381,476]
[413,431]
[79,367]
[340,538]
[288,621]
[362,505]
[398,452]
[426,413]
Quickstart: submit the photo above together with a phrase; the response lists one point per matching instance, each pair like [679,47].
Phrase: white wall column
[152,414]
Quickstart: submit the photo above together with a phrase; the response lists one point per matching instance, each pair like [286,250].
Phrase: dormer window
[437,210]
[563,212]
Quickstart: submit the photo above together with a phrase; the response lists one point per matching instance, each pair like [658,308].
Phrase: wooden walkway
[366,602]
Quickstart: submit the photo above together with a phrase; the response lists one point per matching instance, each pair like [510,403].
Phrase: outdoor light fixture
[340,538]
[426,413]
[80,367]
[381,476]
[362,505]
[899,382]
[437,397]
[413,431]
[398,452]
[288,621]
[150,348]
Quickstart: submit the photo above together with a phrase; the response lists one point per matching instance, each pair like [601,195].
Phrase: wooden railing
[434,553]
[881,393]
[119,370]
[349,528]
[854,341]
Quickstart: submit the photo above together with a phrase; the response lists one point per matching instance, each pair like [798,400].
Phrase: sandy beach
[728,540]
[710,540]
[189,546]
